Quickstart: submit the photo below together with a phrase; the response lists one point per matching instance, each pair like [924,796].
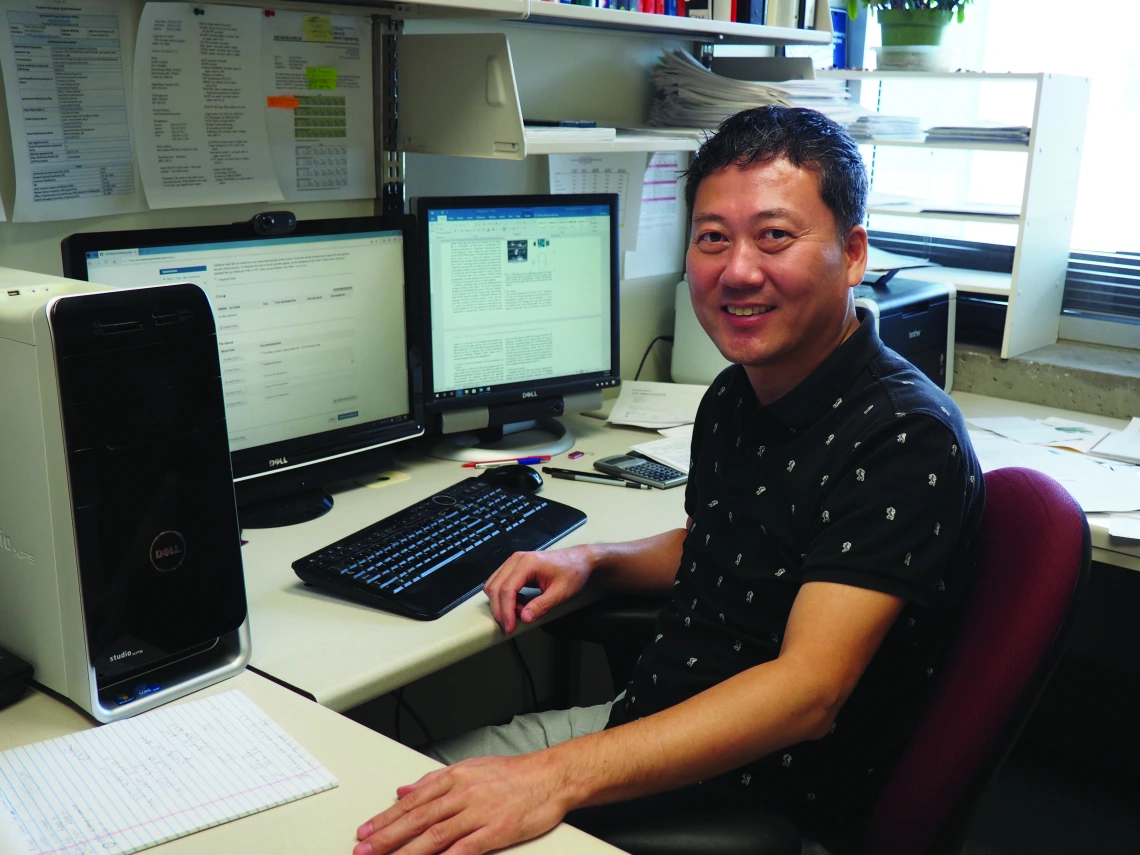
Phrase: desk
[369,767]
[342,653]
[1108,550]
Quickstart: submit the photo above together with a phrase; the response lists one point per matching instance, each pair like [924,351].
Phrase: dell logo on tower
[278,461]
[168,551]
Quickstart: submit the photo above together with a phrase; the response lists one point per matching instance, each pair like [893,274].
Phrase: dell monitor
[520,315]
[316,353]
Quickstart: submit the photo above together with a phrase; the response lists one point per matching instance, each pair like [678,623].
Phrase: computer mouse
[516,477]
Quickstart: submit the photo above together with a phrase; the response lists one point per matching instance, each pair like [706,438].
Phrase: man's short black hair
[807,138]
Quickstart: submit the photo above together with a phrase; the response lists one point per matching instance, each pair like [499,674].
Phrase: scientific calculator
[641,470]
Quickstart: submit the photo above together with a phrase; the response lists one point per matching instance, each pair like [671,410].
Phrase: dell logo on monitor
[530,394]
[278,461]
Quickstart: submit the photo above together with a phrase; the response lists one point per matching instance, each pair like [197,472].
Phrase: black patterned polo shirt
[862,475]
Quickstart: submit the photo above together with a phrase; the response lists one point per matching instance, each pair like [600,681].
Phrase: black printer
[915,319]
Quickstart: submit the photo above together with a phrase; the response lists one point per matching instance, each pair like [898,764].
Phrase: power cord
[514,645]
[645,356]
[401,704]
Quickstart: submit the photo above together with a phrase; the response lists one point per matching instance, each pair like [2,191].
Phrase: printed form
[67,75]
[201,124]
[317,74]
[127,786]
[604,173]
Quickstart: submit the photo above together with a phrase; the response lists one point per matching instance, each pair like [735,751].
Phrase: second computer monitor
[520,310]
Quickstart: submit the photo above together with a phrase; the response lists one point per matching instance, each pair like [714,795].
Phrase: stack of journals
[878,126]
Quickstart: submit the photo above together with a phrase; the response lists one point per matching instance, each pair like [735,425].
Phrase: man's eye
[775,234]
[711,237]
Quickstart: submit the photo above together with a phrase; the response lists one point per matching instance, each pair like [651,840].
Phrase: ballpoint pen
[573,475]
[510,461]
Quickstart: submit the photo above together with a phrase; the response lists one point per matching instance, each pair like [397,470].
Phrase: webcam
[273,223]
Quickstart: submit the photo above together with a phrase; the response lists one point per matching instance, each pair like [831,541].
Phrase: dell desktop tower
[120,573]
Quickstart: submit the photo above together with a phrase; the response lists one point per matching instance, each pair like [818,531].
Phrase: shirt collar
[819,391]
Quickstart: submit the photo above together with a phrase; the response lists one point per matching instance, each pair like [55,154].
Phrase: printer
[915,319]
[120,561]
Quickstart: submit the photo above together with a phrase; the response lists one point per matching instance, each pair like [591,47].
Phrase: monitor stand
[285,510]
[546,437]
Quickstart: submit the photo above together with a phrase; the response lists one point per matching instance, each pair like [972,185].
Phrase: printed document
[320,125]
[67,80]
[656,405]
[604,173]
[661,227]
[198,111]
[167,773]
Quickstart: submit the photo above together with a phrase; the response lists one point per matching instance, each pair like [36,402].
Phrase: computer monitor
[317,356]
[520,313]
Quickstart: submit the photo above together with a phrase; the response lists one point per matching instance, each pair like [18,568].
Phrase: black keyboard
[428,558]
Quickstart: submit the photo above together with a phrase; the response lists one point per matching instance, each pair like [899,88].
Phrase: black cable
[402,704]
[514,645]
[646,354]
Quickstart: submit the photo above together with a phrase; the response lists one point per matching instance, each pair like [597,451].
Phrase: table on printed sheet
[368,767]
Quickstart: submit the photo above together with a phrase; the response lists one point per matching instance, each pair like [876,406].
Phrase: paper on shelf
[200,106]
[322,143]
[68,89]
[672,451]
[159,776]
[604,173]
[1121,445]
[661,226]
[642,403]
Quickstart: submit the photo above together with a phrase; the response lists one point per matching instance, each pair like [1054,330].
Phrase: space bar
[443,563]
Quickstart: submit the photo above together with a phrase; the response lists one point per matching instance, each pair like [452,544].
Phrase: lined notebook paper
[164,774]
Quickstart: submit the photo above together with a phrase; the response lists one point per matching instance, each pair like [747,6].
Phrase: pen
[572,475]
[490,464]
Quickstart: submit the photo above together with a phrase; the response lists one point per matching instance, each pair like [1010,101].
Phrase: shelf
[543,12]
[959,146]
[984,76]
[963,217]
[963,279]
[624,142]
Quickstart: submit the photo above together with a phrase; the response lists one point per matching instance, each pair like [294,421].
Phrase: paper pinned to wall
[322,145]
[199,106]
[165,774]
[661,231]
[67,81]
[604,173]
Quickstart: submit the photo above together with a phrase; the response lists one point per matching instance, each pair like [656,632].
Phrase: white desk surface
[343,653]
[1110,550]
[368,766]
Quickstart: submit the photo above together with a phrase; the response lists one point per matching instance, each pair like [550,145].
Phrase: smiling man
[833,500]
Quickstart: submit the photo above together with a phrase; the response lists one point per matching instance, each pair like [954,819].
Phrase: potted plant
[912,30]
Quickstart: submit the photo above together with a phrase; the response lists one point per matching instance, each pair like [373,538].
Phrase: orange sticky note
[284,102]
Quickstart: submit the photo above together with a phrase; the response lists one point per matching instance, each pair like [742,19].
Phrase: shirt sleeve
[899,506]
[707,403]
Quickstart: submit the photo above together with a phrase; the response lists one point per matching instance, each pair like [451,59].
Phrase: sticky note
[318,28]
[284,102]
[321,78]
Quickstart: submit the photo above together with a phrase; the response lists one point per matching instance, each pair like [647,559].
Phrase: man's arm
[492,802]
[646,566]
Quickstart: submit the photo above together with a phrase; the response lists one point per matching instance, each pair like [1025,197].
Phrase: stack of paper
[1120,445]
[556,133]
[878,126]
[981,130]
[656,405]
[674,450]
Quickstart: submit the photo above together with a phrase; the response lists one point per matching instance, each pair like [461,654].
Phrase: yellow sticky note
[318,28]
[321,78]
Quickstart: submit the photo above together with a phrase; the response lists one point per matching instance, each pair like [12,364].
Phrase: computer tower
[120,568]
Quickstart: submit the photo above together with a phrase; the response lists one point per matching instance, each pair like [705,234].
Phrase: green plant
[946,5]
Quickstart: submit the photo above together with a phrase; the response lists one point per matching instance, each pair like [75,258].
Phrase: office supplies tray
[431,556]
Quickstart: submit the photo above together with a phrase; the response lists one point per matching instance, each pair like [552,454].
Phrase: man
[832,501]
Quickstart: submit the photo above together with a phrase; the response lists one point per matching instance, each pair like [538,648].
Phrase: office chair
[1035,558]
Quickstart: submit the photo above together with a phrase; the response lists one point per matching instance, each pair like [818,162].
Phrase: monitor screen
[521,297]
[311,331]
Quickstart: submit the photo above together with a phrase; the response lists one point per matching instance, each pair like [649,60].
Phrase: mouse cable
[403,704]
[514,645]
[646,354]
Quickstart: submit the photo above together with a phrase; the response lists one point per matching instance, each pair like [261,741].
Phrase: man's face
[769,277]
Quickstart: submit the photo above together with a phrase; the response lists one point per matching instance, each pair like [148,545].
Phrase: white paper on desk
[323,147]
[68,89]
[199,106]
[642,403]
[126,786]
[675,451]
[1121,445]
[661,228]
[1126,527]
[1083,435]
[1022,429]
[604,173]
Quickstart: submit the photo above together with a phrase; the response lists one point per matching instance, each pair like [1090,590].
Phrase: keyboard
[428,558]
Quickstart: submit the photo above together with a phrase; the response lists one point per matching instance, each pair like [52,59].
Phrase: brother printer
[120,568]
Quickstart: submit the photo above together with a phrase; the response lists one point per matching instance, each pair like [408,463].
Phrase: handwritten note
[165,774]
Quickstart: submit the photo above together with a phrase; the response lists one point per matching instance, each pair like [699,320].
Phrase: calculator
[641,470]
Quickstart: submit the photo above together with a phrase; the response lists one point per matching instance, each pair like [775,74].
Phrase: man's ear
[855,255]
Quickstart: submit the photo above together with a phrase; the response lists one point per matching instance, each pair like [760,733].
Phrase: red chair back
[1035,556]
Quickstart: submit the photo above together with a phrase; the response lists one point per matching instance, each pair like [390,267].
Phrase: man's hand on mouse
[559,573]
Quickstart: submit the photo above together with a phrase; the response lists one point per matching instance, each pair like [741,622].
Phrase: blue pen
[491,464]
